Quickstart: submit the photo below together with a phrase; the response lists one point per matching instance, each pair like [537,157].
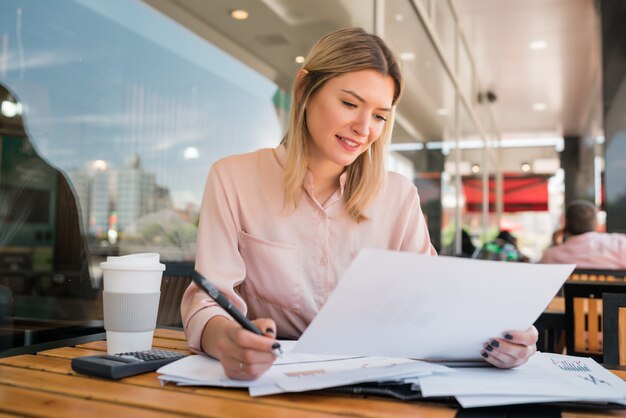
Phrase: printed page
[397,304]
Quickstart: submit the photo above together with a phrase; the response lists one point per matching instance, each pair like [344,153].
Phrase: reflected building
[133,194]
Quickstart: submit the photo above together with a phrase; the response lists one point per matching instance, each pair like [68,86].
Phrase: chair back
[583,316]
[597,275]
[614,324]
[176,279]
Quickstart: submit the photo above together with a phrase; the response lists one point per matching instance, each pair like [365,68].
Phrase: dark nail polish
[495,344]
[489,348]
[269,331]
[508,336]
[275,346]
[485,355]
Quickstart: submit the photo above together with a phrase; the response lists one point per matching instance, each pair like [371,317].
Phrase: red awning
[520,193]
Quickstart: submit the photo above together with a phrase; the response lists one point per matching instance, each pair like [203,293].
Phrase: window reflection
[125,112]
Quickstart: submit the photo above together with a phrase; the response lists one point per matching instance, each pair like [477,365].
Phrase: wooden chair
[597,275]
[176,279]
[583,316]
[551,327]
[614,325]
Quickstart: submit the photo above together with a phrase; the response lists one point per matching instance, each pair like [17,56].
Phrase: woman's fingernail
[269,331]
[489,348]
[495,344]
[275,346]
[485,355]
[508,336]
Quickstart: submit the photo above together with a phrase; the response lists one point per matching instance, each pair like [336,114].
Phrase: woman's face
[346,115]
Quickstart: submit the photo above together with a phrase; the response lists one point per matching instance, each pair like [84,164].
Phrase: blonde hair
[340,52]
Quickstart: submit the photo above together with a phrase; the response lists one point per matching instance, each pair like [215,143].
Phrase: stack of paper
[545,378]
[295,372]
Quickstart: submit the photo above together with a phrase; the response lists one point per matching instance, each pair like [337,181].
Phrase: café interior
[112,114]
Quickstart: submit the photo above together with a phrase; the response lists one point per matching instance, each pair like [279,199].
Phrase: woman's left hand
[513,349]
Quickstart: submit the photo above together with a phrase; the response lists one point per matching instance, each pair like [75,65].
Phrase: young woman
[279,226]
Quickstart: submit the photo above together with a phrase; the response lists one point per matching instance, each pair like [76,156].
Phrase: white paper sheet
[356,370]
[397,304]
[545,378]
[297,372]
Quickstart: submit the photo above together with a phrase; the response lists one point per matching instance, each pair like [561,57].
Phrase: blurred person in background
[502,248]
[583,245]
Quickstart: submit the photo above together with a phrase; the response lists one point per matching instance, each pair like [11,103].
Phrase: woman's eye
[380,118]
[348,104]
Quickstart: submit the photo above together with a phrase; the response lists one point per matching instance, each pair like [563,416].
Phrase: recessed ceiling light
[475,168]
[538,45]
[239,14]
[399,17]
[407,56]
[100,165]
[443,111]
[525,167]
[191,153]
[299,59]
[539,106]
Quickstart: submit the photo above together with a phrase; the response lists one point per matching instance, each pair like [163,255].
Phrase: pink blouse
[283,265]
[592,250]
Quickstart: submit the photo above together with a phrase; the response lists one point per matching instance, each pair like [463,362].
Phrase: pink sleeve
[217,257]
[416,238]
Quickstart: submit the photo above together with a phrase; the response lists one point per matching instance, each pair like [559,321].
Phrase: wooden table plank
[171,334]
[26,402]
[166,401]
[69,352]
[163,343]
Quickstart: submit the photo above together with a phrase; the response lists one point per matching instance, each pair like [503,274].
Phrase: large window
[116,115]
[134,109]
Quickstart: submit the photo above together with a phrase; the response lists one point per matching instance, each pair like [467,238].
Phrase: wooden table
[44,385]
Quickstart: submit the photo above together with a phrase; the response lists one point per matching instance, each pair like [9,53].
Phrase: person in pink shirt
[585,247]
[279,226]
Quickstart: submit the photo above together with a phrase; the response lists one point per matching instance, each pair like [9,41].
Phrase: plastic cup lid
[141,261]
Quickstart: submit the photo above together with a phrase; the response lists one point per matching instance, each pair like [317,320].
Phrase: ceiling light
[538,45]
[407,146]
[10,109]
[407,56]
[539,106]
[525,167]
[99,165]
[399,17]
[475,168]
[239,14]
[443,111]
[299,59]
[191,153]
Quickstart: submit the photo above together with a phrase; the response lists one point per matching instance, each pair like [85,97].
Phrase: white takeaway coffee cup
[131,291]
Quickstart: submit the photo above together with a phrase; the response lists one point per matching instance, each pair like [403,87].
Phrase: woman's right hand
[244,355]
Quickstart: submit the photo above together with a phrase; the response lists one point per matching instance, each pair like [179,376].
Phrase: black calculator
[116,366]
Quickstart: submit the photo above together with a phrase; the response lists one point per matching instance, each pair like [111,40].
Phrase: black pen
[223,301]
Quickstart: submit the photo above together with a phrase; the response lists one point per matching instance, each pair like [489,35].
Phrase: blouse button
[321,214]
[324,260]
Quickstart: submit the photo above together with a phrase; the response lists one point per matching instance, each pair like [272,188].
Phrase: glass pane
[466,73]
[445,27]
[124,112]
[426,111]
